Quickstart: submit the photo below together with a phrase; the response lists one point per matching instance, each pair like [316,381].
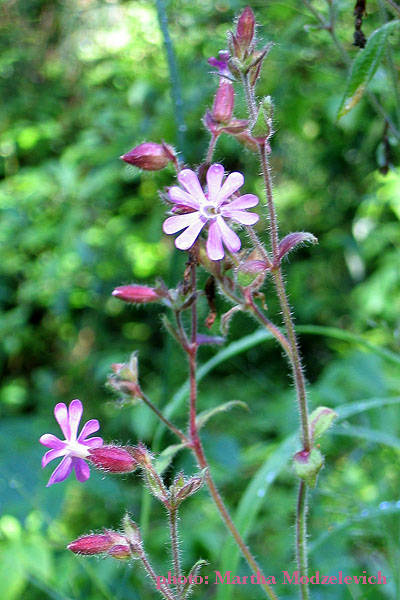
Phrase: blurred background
[82,82]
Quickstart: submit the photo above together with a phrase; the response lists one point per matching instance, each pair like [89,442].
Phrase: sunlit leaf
[203,417]
[365,66]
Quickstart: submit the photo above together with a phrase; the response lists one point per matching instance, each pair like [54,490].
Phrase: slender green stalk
[173,522]
[301,536]
[176,93]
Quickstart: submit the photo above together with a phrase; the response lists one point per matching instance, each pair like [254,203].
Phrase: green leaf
[354,408]
[203,417]
[165,458]
[364,67]
[370,435]
[384,508]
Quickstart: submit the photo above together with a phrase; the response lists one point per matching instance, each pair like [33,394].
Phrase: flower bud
[97,543]
[189,487]
[224,102]
[120,552]
[245,30]
[113,459]
[251,271]
[307,465]
[150,156]
[137,294]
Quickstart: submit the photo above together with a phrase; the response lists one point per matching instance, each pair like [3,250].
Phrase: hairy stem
[164,591]
[198,451]
[166,421]
[301,536]
[173,522]
[296,364]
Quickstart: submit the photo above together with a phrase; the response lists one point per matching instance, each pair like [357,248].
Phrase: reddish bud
[295,239]
[210,123]
[236,126]
[113,459]
[120,552]
[224,102]
[245,29]
[94,543]
[136,294]
[142,455]
[150,156]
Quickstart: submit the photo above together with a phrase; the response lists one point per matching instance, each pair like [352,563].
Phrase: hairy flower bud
[245,30]
[113,459]
[307,465]
[150,156]
[223,102]
[136,294]
[99,543]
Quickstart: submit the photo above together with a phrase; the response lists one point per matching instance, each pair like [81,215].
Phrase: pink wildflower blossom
[212,208]
[74,449]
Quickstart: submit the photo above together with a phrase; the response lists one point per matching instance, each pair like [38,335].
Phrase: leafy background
[82,82]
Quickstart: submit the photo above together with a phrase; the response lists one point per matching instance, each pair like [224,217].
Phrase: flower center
[209,211]
[78,450]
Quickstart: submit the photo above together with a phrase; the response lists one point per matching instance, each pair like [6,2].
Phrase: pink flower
[210,208]
[74,449]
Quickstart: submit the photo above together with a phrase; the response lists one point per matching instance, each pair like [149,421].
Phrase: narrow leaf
[203,417]
[354,408]
[365,66]
[165,458]
[370,435]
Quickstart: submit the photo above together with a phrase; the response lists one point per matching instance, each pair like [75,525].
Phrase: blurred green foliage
[81,83]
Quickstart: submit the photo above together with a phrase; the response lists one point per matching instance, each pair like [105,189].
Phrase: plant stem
[197,447]
[164,591]
[173,521]
[276,332]
[301,536]
[211,148]
[296,364]
[166,421]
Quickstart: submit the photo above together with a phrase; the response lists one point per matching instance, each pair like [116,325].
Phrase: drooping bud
[307,465]
[150,156]
[110,542]
[245,30]
[137,294]
[113,459]
[125,379]
[92,544]
[224,102]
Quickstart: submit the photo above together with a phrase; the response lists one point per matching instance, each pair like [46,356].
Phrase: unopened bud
[247,141]
[96,543]
[137,294]
[245,30]
[142,455]
[189,487]
[307,465]
[120,552]
[113,459]
[150,156]
[224,102]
